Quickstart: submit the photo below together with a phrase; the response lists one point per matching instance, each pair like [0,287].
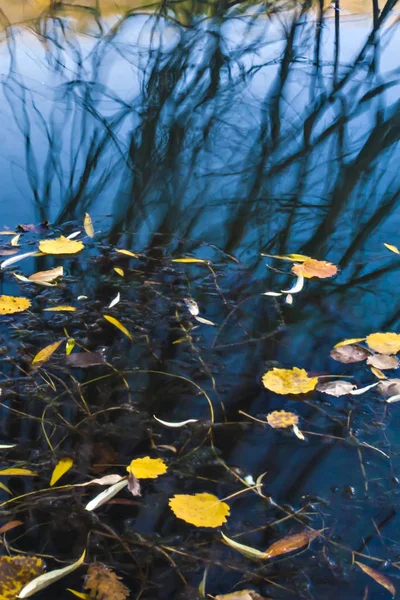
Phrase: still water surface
[225,131]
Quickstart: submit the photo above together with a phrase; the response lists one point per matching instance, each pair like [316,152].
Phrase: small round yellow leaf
[289,381]
[201,510]
[61,245]
[279,419]
[147,468]
[13,304]
[384,343]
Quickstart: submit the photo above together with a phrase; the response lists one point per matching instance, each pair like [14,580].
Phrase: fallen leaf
[336,388]
[190,260]
[201,510]
[147,468]
[205,321]
[247,551]
[106,480]
[104,584]
[83,360]
[389,387]
[291,543]
[289,257]
[126,252]
[43,581]
[14,241]
[383,361]
[175,424]
[8,251]
[350,353]
[13,304]
[62,467]
[119,271]
[392,248]
[8,527]
[242,595]
[378,577]
[17,472]
[17,258]
[133,484]
[296,287]
[6,232]
[347,342]
[73,235]
[384,343]
[359,391]
[61,308]
[192,306]
[16,572]
[115,300]
[61,245]
[103,497]
[88,225]
[79,594]
[378,373]
[46,352]
[69,346]
[279,419]
[315,268]
[47,276]
[6,489]
[118,325]
[289,381]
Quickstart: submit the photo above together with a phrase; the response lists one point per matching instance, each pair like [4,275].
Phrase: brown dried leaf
[16,572]
[315,268]
[389,387]
[350,353]
[383,361]
[291,543]
[133,484]
[378,577]
[104,584]
[336,388]
[10,525]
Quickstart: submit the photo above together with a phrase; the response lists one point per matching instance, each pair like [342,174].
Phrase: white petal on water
[115,301]
[205,321]
[17,258]
[395,398]
[297,287]
[289,299]
[364,389]
[272,294]
[103,497]
[176,424]
[71,236]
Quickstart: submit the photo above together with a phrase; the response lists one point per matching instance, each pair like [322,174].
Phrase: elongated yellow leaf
[126,252]
[247,551]
[119,271]
[289,257]
[348,342]
[61,308]
[189,260]
[70,345]
[88,225]
[105,496]
[6,489]
[118,325]
[62,467]
[392,248]
[16,472]
[378,577]
[43,355]
[47,276]
[79,594]
[43,581]
[61,245]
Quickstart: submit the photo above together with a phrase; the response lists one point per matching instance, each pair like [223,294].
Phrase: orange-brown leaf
[104,584]
[378,577]
[315,268]
[16,572]
[291,543]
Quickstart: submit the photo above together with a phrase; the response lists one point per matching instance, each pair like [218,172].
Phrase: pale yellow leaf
[61,308]
[6,489]
[70,345]
[189,260]
[47,276]
[13,304]
[45,353]
[105,496]
[119,271]
[201,510]
[289,257]
[88,225]
[384,343]
[347,342]
[118,325]
[14,241]
[62,467]
[126,252]
[247,551]
[147,468]
[81,595]
[61,245]
[289,381]
[43,581]
[17,472]
[378,577]
[392,248]
[8,232]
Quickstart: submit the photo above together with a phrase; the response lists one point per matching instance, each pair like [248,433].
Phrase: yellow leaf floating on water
[17,472]
[201,510]
[189,260]
[79,594]
[60,308]
[279,419]
[104,584]
[16,572]
[289,381]
[315,268]
[290,543]
[119,271]
[147,468]
[247,551]
[392,248]
[62,467]
[348,342]
[43,581]
[69,346]
[378,577]
[44,354]
[126,252]
[13,304]
[61,245]
[289,257]
[88,225]
[384,343]
[118,325]
[47,276]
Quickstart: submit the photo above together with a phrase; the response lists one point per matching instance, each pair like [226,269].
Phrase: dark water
[220,131]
